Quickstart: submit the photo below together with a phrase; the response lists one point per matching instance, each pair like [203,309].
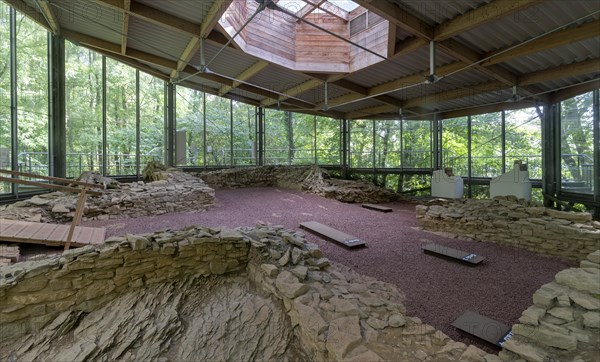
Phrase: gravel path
[437,290]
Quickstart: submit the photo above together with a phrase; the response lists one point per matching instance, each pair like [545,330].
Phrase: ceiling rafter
[245,75]
[549,74]
[29,12]
[209,22]
[153,15]
[552,40]
[125,30]
[480,16]
[49,15]
[394,14]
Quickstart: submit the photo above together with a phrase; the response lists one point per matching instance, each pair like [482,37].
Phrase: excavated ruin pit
[166,316]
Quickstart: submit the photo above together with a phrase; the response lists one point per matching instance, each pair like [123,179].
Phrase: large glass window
[190,121]
[83,91]
[524,140]
[577,143]
[303,147]
[120,119]
[361,143]
[455,142]
[416,144]
[152,119]
[486,145]
[218,126]
[387,144]
[279,135]
[244,134]
[5,119]
[328,141]
[32,96]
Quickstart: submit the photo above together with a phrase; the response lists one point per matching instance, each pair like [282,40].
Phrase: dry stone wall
[563,324]
[175,192]
[310,179]
[259,293]
[519,223]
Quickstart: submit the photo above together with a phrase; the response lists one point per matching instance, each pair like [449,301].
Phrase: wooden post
[76,217]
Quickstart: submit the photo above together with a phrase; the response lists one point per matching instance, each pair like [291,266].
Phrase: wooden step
[377,207]
[330,233]
[484,328]
[48,234]
[454,254]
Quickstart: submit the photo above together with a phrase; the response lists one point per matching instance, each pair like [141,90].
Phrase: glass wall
[244,134]
[83,92]
[455,141]
[523,140]
[416,144]
[190,120]
[577,144]
[361,144]
[152,119]
[328,141]
[279,137]
[218,135]
[387,144]
[32,96]
[5,119]
[486,145]
[120,119]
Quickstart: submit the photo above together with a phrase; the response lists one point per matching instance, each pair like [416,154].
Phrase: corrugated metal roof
[413,63]
[89,18]
[527,24]
[229,62]
[156,40]
[551,58]
[317,94]
[436,11]
[190,10]
[278,78]
[364,104]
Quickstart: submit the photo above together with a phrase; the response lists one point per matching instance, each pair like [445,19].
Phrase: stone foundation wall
[310,179]
[176,192]
[519,223]
[157,297]
[33,293]
[563,324]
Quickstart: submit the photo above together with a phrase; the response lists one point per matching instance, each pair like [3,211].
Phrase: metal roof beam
[482,15]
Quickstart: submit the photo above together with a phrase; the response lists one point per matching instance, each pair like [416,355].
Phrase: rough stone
[289,285]
[527,351]
[532,315]
[594,257]
[343,336]
[585,300]
[562,313]
[591,319]
[396,320]
[270,269]
[580,280]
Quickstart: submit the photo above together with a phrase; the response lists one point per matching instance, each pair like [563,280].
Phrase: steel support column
[171,127]
[596,116]
[57,134]
[470,162]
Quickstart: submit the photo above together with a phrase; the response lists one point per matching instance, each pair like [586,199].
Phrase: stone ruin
[311,179]
[261,293]
[520,223]
[174,191]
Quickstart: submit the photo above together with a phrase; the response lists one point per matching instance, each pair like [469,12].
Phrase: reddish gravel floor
[437,290]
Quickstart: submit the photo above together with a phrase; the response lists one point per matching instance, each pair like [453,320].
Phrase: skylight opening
[345,4]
